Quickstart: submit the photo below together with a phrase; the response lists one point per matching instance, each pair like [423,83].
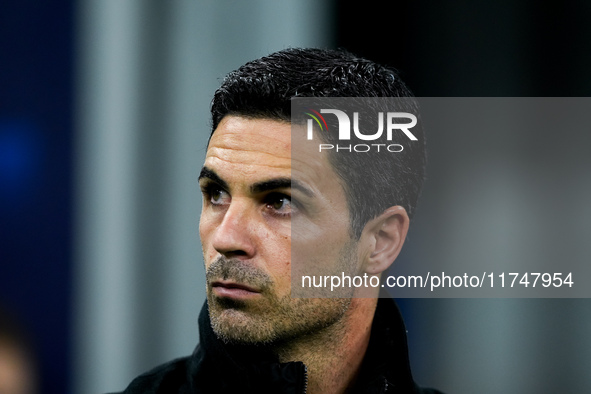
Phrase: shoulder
[166,378]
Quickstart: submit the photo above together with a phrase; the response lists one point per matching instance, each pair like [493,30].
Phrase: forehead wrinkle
[249,162]
[245,151]
[250,157]
[243,139]
[245,133]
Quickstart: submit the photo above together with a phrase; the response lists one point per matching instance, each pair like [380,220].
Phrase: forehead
[243,149]
[245,142]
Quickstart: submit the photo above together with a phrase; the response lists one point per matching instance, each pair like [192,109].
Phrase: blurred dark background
[454,48]
[469,49]
[36,134]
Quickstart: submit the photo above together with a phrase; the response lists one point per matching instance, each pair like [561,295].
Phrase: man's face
[251,198]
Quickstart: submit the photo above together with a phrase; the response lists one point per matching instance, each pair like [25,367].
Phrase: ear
[385,236]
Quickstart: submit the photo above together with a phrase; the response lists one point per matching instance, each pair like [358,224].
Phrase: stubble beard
[268,320]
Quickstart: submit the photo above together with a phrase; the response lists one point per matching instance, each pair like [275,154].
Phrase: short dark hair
[264,87]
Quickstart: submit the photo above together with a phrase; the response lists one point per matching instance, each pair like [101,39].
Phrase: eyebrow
[260,187]
[211,175]
[281,183]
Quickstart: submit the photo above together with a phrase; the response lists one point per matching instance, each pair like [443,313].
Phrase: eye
[216,195]
[219,197]
[279,203]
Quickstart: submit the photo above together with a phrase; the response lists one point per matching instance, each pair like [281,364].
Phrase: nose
[233,237]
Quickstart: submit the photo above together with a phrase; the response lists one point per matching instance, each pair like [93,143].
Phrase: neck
[334,355]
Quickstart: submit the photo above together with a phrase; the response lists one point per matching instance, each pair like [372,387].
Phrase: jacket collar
[386,361]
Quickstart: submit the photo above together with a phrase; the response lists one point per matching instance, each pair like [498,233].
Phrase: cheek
[278,259]
[203,232]
[319,253]
[206,228]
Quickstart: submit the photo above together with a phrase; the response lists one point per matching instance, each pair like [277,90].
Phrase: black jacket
[218,368]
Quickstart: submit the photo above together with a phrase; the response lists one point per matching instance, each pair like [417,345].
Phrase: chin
[238,327]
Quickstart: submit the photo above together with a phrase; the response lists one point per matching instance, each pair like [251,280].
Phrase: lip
[228,289]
